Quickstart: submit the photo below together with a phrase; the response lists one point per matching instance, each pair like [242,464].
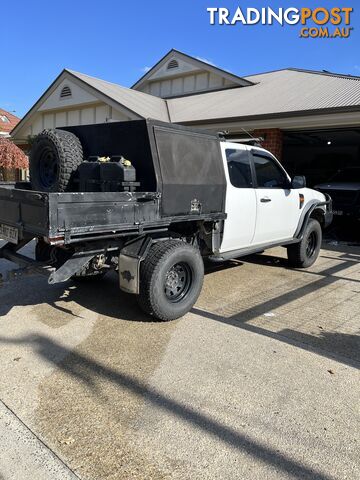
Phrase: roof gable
[142,104]
[177,65]
[76,94]
[135,104]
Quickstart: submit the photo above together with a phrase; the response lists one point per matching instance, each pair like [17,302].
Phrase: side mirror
[299,181]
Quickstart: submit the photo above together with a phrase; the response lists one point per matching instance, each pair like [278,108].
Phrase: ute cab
[264,206]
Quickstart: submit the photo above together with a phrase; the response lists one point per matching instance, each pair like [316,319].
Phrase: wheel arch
[318,214]
[314,211]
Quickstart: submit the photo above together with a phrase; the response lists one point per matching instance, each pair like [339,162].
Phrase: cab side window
[268,173]
[239,168]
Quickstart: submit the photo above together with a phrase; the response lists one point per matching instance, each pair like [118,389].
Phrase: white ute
[265,207]
[178,195]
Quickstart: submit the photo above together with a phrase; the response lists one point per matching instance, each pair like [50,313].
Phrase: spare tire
[54,159]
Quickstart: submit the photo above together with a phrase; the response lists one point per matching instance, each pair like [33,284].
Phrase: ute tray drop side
[181,177]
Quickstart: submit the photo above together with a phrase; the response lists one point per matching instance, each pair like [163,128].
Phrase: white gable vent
[172,64]
[65,92]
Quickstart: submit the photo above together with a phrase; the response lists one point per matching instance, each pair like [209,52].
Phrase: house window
[4,119]
[172,64]
[65,92]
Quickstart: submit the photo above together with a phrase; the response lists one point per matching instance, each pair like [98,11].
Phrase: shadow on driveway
[345,348]
[104,298]
[85,370]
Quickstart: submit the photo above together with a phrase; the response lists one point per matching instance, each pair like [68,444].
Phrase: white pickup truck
[181,195]
[265,207]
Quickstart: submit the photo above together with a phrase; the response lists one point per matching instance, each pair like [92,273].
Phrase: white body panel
[261,216]
[278,218]
[240,207]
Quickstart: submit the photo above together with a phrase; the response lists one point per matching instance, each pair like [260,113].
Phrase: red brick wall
[273,140]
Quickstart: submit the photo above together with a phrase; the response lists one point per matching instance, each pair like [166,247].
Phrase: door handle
[265,200]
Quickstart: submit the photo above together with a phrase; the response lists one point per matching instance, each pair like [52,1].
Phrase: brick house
[310,120]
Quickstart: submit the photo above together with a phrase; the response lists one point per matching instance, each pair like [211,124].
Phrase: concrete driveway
[259,381]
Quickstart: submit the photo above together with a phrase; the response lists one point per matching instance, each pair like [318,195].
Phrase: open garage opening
[330,160]
[321,154]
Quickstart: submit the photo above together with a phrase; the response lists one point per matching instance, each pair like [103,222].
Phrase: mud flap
[129,264]
[129,273]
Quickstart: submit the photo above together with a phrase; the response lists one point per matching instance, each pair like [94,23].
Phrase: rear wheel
[54,159]
[305,253]
[171,278]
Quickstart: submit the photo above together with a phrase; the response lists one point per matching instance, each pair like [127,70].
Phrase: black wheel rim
[311,244]
[48,167]
[177,282]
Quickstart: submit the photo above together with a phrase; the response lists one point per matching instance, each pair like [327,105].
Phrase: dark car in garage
[344,189]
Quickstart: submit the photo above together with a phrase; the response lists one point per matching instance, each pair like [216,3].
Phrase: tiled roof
[8,126]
